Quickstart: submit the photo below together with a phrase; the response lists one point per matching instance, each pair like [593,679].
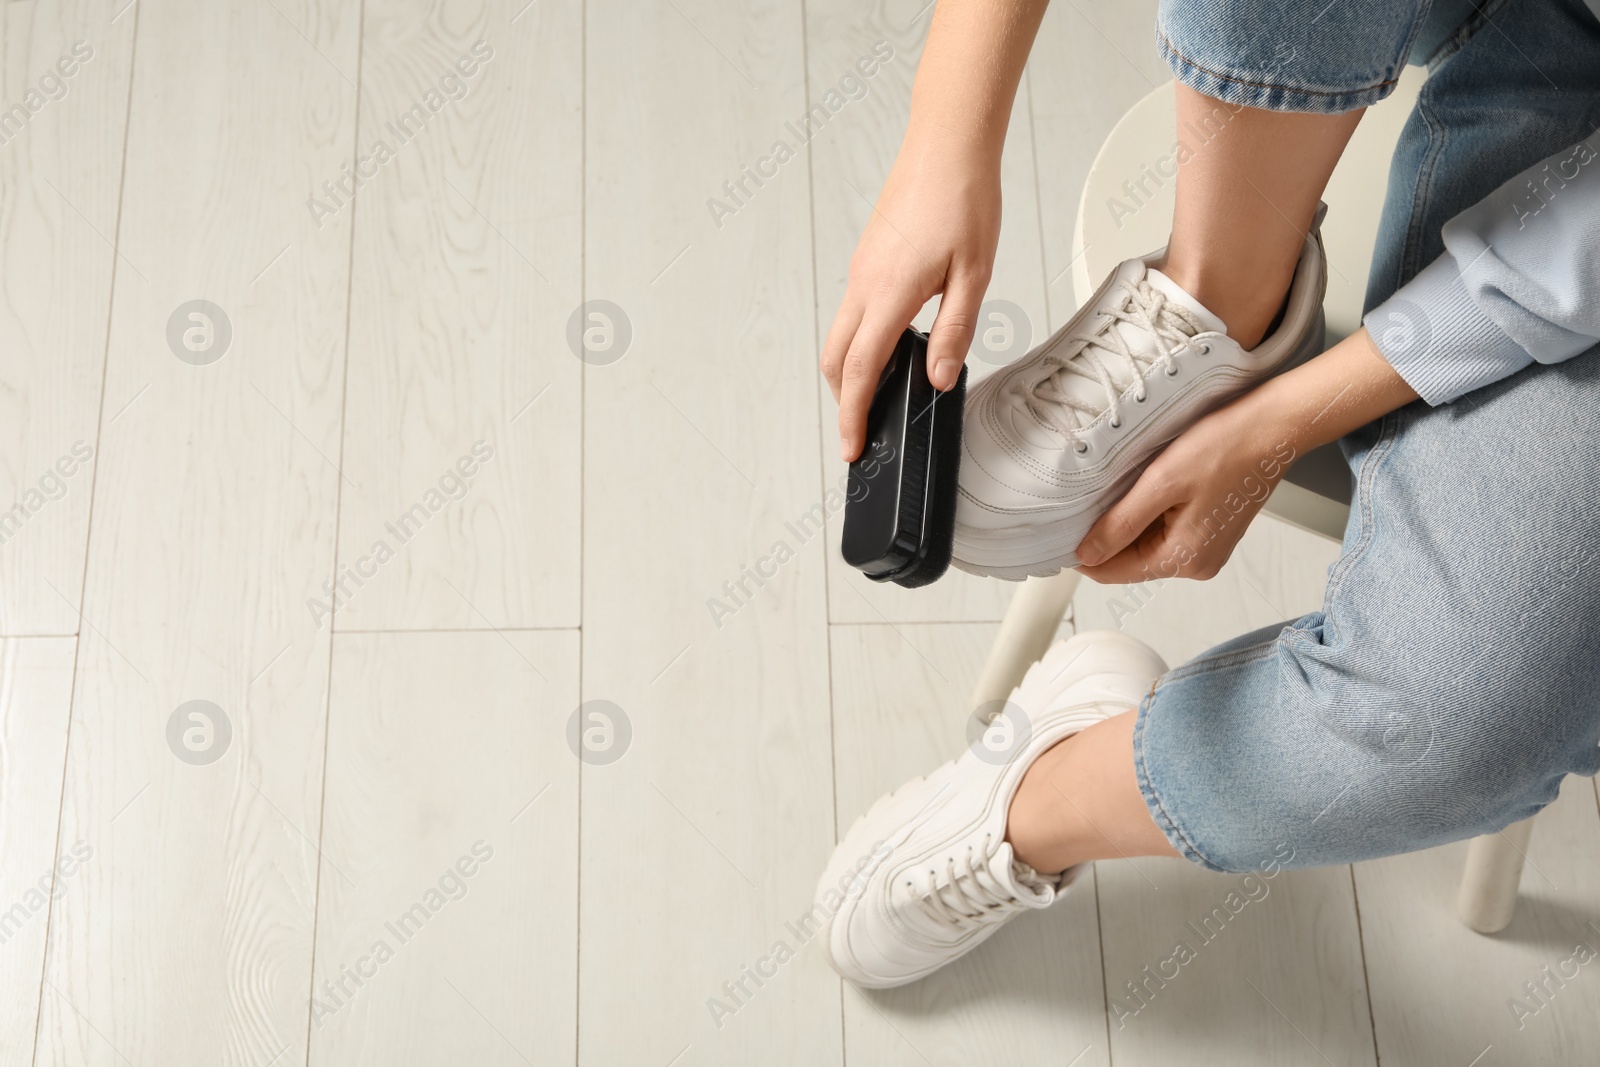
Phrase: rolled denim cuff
[1288,57]
[1437,339]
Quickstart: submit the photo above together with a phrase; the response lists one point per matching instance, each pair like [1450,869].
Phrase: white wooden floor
[375,843]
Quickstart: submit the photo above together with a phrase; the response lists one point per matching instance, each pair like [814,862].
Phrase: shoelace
[970,896]
[1146,308]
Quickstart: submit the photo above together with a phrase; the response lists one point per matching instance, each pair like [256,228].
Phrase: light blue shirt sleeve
[1518,283]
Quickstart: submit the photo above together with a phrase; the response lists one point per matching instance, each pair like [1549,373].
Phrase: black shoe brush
[900,509]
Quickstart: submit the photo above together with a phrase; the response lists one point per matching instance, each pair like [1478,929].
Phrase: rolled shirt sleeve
[1518,283]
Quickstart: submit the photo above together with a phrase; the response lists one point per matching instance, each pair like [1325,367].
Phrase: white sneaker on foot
[1053,440]
[926,875]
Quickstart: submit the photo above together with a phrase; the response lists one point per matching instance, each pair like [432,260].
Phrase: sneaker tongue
[1028,884]
[1087,388]
[1175,293]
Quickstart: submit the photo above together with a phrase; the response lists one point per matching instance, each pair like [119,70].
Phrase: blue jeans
[1452,678]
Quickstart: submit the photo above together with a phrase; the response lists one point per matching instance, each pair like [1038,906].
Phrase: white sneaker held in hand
[1054,439]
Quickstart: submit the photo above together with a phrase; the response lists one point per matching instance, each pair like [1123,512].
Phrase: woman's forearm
[1346,387]
[968,75]
[935,227]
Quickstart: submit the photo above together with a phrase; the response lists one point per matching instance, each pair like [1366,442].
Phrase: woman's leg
[1081,801]
[1446,687]
[1267,98]
[1246,196]
[1249,182]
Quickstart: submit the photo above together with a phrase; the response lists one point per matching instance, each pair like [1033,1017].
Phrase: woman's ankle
[1034,825]
[1246,300]
[1080,801]
[1246,195]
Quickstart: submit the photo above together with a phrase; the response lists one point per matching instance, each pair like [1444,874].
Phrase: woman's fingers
[1149,556]
[864,360]
[840,334]
[953,328]
[1150,498]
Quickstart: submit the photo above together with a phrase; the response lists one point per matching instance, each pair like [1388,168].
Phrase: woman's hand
[934,231]
[1189,508]
[938,218]
[1192,504]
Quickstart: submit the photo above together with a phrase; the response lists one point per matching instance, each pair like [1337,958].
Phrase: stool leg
[1031,621]
[1489,884]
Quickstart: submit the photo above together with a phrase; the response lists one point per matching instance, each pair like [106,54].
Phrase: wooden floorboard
[189,939]
[466,268]
[60,179]
[35,699]
[1212,969]
[447,922]
[700,455]
[1443,995]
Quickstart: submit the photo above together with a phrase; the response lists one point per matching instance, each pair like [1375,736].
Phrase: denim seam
[1387,433]
[1166,42]
[1207,665]
[1158,812]
[1462,34]
[1437,136]
[1452,46]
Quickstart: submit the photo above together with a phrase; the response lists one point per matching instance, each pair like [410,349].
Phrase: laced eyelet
[1140,398]
[1081,448]
[1172,372]
[1116,424]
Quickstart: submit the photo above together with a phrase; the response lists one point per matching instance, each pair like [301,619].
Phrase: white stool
[1135,168]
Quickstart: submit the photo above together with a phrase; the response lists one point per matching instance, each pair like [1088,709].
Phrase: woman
[1448,684]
